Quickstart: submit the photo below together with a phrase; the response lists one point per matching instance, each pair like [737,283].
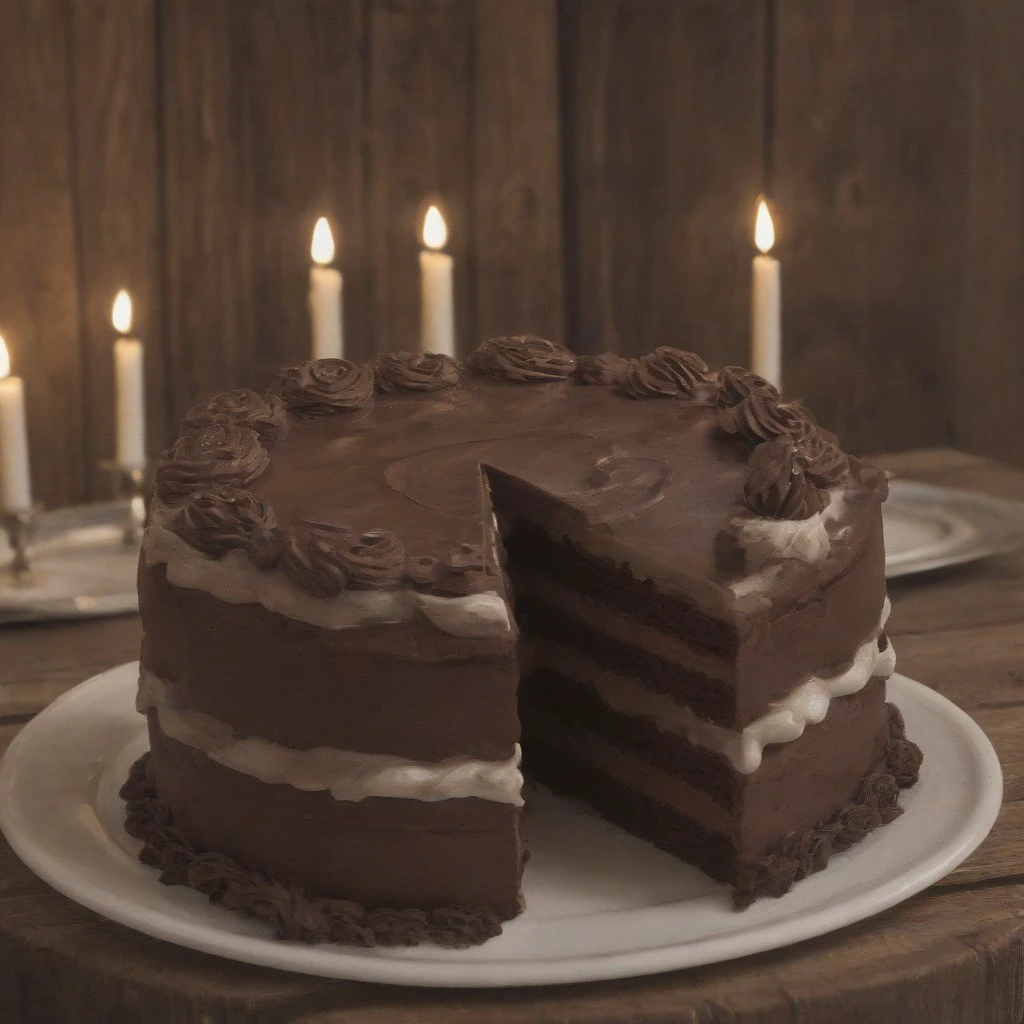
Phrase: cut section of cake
[369,592]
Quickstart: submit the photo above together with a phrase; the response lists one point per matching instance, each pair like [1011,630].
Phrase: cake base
[293,912]
[297,915]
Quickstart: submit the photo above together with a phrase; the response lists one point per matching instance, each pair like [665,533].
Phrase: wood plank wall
[597,161]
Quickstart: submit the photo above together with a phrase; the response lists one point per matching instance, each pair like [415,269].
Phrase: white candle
[15,483]
[437,296]
[766,303]
[131,390]
[325,285]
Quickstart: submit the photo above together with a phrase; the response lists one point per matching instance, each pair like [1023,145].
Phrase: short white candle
[437,297]
[325,284]
[15,483]
[766,303]
[131,389]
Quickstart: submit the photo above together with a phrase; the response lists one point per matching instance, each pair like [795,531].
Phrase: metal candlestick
[132,483]
[18,526]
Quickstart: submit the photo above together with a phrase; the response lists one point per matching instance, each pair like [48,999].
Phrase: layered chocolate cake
[370,592]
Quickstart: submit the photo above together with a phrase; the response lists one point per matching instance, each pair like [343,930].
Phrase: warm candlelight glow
[121,314]
[322,249]
[5,360]
[435,231]
[764,229]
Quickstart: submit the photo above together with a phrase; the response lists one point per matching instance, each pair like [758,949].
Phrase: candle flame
[121,314]
[435,231]
[5,360]
[764,229]
[322,249]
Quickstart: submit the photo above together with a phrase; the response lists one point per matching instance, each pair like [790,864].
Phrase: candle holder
[18,527]
[133,484]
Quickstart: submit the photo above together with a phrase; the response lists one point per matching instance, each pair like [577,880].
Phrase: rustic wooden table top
[955,953]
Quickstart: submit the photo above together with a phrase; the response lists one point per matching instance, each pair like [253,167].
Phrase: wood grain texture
[420,152]
[116,202]
[662,106]
[952,954]
[990,363]
[517,213]
[39,291]
[208,226]
[870,164]
[300,76]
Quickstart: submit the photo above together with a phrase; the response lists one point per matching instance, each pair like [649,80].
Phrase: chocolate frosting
[664,373]
[219,453]
[737,382]
[373,559]
[778,485]
[293,913]
[524,359]
[258,410]
[823,460]
[220,518]
[415,371]
[874,804]
[606,368]
[319,387]
[760,416]
[312,560]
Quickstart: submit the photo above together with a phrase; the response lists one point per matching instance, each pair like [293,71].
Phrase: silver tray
[928,527]
[84,569]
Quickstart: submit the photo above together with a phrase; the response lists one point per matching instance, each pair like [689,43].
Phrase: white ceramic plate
[600,903]
[930,527]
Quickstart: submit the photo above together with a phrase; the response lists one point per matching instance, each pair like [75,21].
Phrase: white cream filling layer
[345,774]
[234,579]
[785,720]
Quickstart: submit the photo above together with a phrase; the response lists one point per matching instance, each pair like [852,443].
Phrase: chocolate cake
[369,592]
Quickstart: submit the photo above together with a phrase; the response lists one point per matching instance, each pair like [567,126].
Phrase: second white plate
[600,903]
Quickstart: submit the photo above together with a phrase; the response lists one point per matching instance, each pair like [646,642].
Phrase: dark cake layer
[626,623]
[798,784]
[387,852]
[355,689]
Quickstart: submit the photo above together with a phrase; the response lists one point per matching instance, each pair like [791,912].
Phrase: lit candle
[766,303]
[131,409]
[437,299]
[325,296]
[15,484]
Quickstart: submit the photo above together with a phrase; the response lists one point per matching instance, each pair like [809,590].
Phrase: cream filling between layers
[345,774]
[232,578]
[785,720]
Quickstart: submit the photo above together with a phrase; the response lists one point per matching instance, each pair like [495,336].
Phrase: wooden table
[955,953]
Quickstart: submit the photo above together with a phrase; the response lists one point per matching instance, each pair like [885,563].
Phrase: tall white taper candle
[437,297]
[766,303]
[15,482]
[131,389]
[325,304]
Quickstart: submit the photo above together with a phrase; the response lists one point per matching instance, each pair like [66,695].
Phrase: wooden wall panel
[300,72]
[208,227]
[517,169]
[39,294]
[663,164]
[870,157]
[420,151]
[115,191]
[989,379]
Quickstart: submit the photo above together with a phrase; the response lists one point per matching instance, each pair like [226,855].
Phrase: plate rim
[369,966]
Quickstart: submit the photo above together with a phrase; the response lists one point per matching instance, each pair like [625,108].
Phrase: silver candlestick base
[133,484]
[18,527]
